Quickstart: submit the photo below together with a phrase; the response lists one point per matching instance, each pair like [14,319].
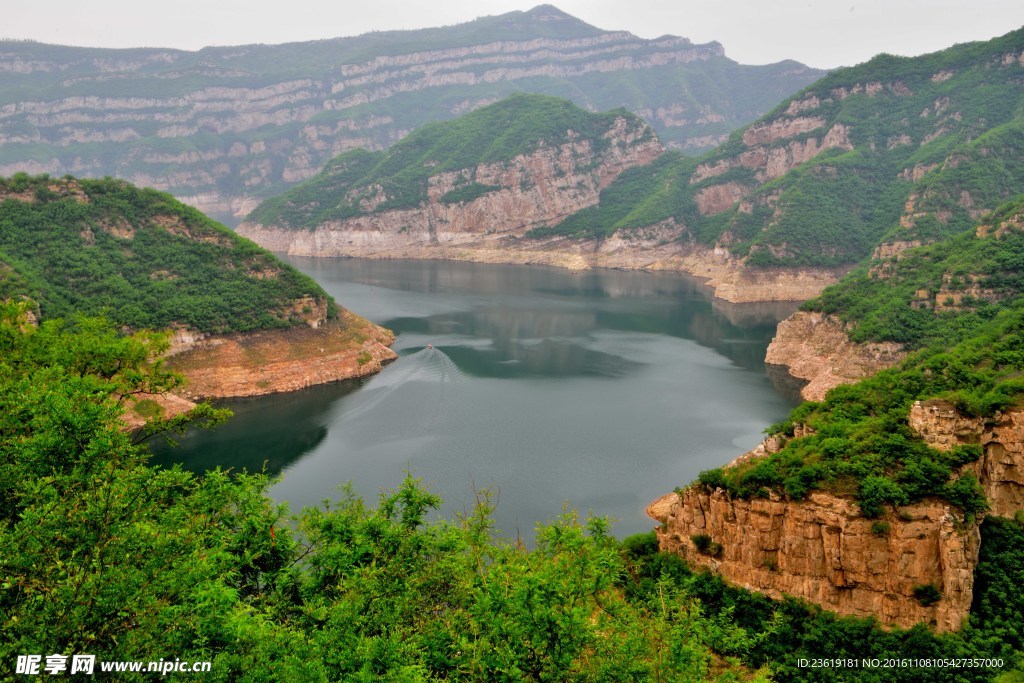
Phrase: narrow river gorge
[599,390]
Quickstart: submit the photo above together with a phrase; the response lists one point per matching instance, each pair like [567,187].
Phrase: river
[598,391]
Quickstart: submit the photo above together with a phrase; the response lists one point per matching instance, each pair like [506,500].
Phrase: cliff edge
[913,564]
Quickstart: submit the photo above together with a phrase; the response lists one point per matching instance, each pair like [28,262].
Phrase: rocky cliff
[221,127]
[816,348]
[275,361]
[823,550]
[527,191]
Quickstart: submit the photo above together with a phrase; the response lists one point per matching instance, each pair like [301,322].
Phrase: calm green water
[600,390]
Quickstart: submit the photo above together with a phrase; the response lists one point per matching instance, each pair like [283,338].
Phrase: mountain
[870,502]
[224,127]
[489,175]
[243,322]
[875,497]
[891,153]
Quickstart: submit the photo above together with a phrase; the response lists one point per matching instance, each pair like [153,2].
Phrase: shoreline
[270,362]
[653,249]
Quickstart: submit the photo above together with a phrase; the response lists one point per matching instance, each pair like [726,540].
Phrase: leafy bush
[927,594]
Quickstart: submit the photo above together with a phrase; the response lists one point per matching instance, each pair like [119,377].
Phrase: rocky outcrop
[274,361]
[821,549]
[770,150]
[816,348]
[1000,470]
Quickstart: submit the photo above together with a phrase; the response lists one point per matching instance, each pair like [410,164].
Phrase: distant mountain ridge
[222,127]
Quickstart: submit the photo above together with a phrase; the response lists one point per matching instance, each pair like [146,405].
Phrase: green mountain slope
[938,293]
[223,125]
[895,151]
[361,182]
[960,302]
[141,258]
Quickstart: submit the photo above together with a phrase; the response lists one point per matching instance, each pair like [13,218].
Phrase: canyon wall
[527,191]
[224,126]
[822,550]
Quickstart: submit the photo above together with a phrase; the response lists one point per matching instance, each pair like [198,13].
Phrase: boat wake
[430,368]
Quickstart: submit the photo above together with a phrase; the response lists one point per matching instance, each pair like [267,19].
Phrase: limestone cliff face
[531,190]
[822,550]
[217,127]
[770,149]
[815,348]
[1000,470]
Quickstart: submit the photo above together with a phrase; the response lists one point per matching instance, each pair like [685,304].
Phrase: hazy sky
[822,33]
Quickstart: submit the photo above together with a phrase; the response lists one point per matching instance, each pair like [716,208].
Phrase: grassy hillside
[355,182]
[902,149]
[139,257]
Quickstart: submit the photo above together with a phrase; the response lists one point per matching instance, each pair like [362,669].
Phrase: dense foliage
[959,302]
[944,132]
[109,556]
[862,443]
[142,258]
[106,555]
[359,182]
[936,294]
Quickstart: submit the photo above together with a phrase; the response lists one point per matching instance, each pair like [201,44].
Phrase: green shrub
[927,594]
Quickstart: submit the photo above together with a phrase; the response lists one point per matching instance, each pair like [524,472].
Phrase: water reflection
[252,442]
[602,389]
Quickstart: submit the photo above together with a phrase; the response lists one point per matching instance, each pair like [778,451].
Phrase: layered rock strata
[822,550]
[220,126]
[815,347]
[274,361]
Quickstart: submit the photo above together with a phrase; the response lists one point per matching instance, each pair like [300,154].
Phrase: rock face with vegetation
[893,153]
[817,348]
[224,127]
[915,563]
[492,174]
[821,550]
[899,302]
[92,247]
[870,502]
